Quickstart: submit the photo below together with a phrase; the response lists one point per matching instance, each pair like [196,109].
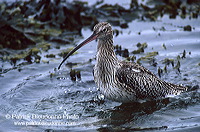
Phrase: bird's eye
[104,30]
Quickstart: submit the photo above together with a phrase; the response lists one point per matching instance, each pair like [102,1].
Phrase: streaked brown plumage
[123,81]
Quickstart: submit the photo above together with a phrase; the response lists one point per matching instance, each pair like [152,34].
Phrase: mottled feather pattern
[144,83]
[124,81]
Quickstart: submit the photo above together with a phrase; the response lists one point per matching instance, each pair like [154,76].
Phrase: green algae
[165,69]
[168,61]
[152,54]
[35,50]
[131,58]
[143,45]
[50,56]
[178,65]
[140,49]
[44,46]
[27,55]
[150,57]
[65,52]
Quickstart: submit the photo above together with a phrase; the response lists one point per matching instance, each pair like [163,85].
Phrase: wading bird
[123,81]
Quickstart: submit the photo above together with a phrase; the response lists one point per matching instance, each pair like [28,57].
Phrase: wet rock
[187,28]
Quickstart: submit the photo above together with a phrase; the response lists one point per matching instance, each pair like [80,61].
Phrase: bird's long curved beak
[91,38]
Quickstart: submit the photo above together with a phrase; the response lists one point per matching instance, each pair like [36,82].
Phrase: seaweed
[38,24]
[30,55]
[187,28]
[75,74]
[168,61]
[13,38]
[150,57]
[140,49]
[65,52]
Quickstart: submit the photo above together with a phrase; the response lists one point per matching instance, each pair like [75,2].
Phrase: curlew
[123,81]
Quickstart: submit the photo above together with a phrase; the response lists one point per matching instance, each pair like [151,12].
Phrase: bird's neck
[105,53]
[106,66]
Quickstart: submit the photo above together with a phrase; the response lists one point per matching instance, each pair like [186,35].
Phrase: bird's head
[102,30]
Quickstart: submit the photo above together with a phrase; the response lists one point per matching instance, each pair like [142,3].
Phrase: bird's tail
[174,90]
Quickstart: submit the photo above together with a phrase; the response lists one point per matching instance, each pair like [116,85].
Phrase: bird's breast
[109,85]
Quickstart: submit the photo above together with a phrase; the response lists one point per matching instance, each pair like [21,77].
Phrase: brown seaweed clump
[32,23]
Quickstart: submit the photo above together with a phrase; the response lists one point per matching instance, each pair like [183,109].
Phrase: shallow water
[38,97]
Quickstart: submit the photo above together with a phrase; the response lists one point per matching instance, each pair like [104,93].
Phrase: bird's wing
[133,74]
[144,83]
